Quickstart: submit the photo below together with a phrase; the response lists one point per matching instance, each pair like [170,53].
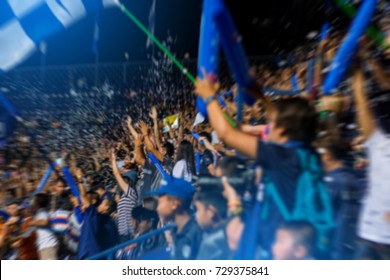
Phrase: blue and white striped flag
[24,24]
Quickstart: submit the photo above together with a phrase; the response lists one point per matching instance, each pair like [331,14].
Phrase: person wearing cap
[174,204]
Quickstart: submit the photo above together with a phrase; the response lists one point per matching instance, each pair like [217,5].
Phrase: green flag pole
[164,50]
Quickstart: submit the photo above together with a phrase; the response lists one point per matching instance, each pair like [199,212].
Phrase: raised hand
[153,114]
[144,128]
[79,174]
[205,87]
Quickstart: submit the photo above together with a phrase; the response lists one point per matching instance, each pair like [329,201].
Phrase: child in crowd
[292,129]
[211,210]
[345,192]
[294,241]
[174,204]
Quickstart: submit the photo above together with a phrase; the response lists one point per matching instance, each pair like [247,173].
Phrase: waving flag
[24,24]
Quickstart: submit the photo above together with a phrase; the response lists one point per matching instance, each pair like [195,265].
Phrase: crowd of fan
[208,187]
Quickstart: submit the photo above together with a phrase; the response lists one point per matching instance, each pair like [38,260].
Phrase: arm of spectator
[131,128]
[39,223]
[138,153]
[118,177]
[156,129]
[238,140]
[152,149]
[83,193]
[257,129]
[208,145]
[235,227]
[365,115]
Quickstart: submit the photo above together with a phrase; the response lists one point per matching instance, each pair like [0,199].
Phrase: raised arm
[131,128]
[156,129]
[365,115]
[80,184]
[148,143]
[138,152]
[118,177]
[233,138]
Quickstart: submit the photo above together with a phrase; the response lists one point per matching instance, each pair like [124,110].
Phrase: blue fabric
[208,58]
[349,46]
[296,191]
[79,214]
[88,245]
[71,183]
[345,191]
[41,23]
[157,164]
[175,187]
[6,12]
[98,233]
[233,49]
[44,180]
[281,166]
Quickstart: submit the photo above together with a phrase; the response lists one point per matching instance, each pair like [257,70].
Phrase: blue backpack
[312,202]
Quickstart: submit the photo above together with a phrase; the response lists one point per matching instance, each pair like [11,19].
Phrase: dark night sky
[266,27]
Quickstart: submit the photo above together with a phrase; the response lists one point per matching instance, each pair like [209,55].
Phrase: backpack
[312,202]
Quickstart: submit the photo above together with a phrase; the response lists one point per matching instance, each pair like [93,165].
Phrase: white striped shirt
[126,204]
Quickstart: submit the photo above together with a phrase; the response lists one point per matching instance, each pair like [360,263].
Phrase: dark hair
[136,213]
[59,180]
[184,205]
[149,215]
[304,234]
[335,145]
[206,135]
[298,118]
[111,205]
[209,196]
[42,200]
[186,151]
[232,166]
[170,149]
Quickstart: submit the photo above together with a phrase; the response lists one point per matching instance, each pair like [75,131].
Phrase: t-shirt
[88,245]
[152,177]
[186,243]
[126,204]
[372,225]
[206,159]
[214,245]
[45,237]
[98,233]
[180,170]
[345,192]
[282,166]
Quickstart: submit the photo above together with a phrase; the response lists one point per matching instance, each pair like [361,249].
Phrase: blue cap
[179,188]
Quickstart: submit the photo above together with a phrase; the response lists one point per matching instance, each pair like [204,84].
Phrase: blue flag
[24,24]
